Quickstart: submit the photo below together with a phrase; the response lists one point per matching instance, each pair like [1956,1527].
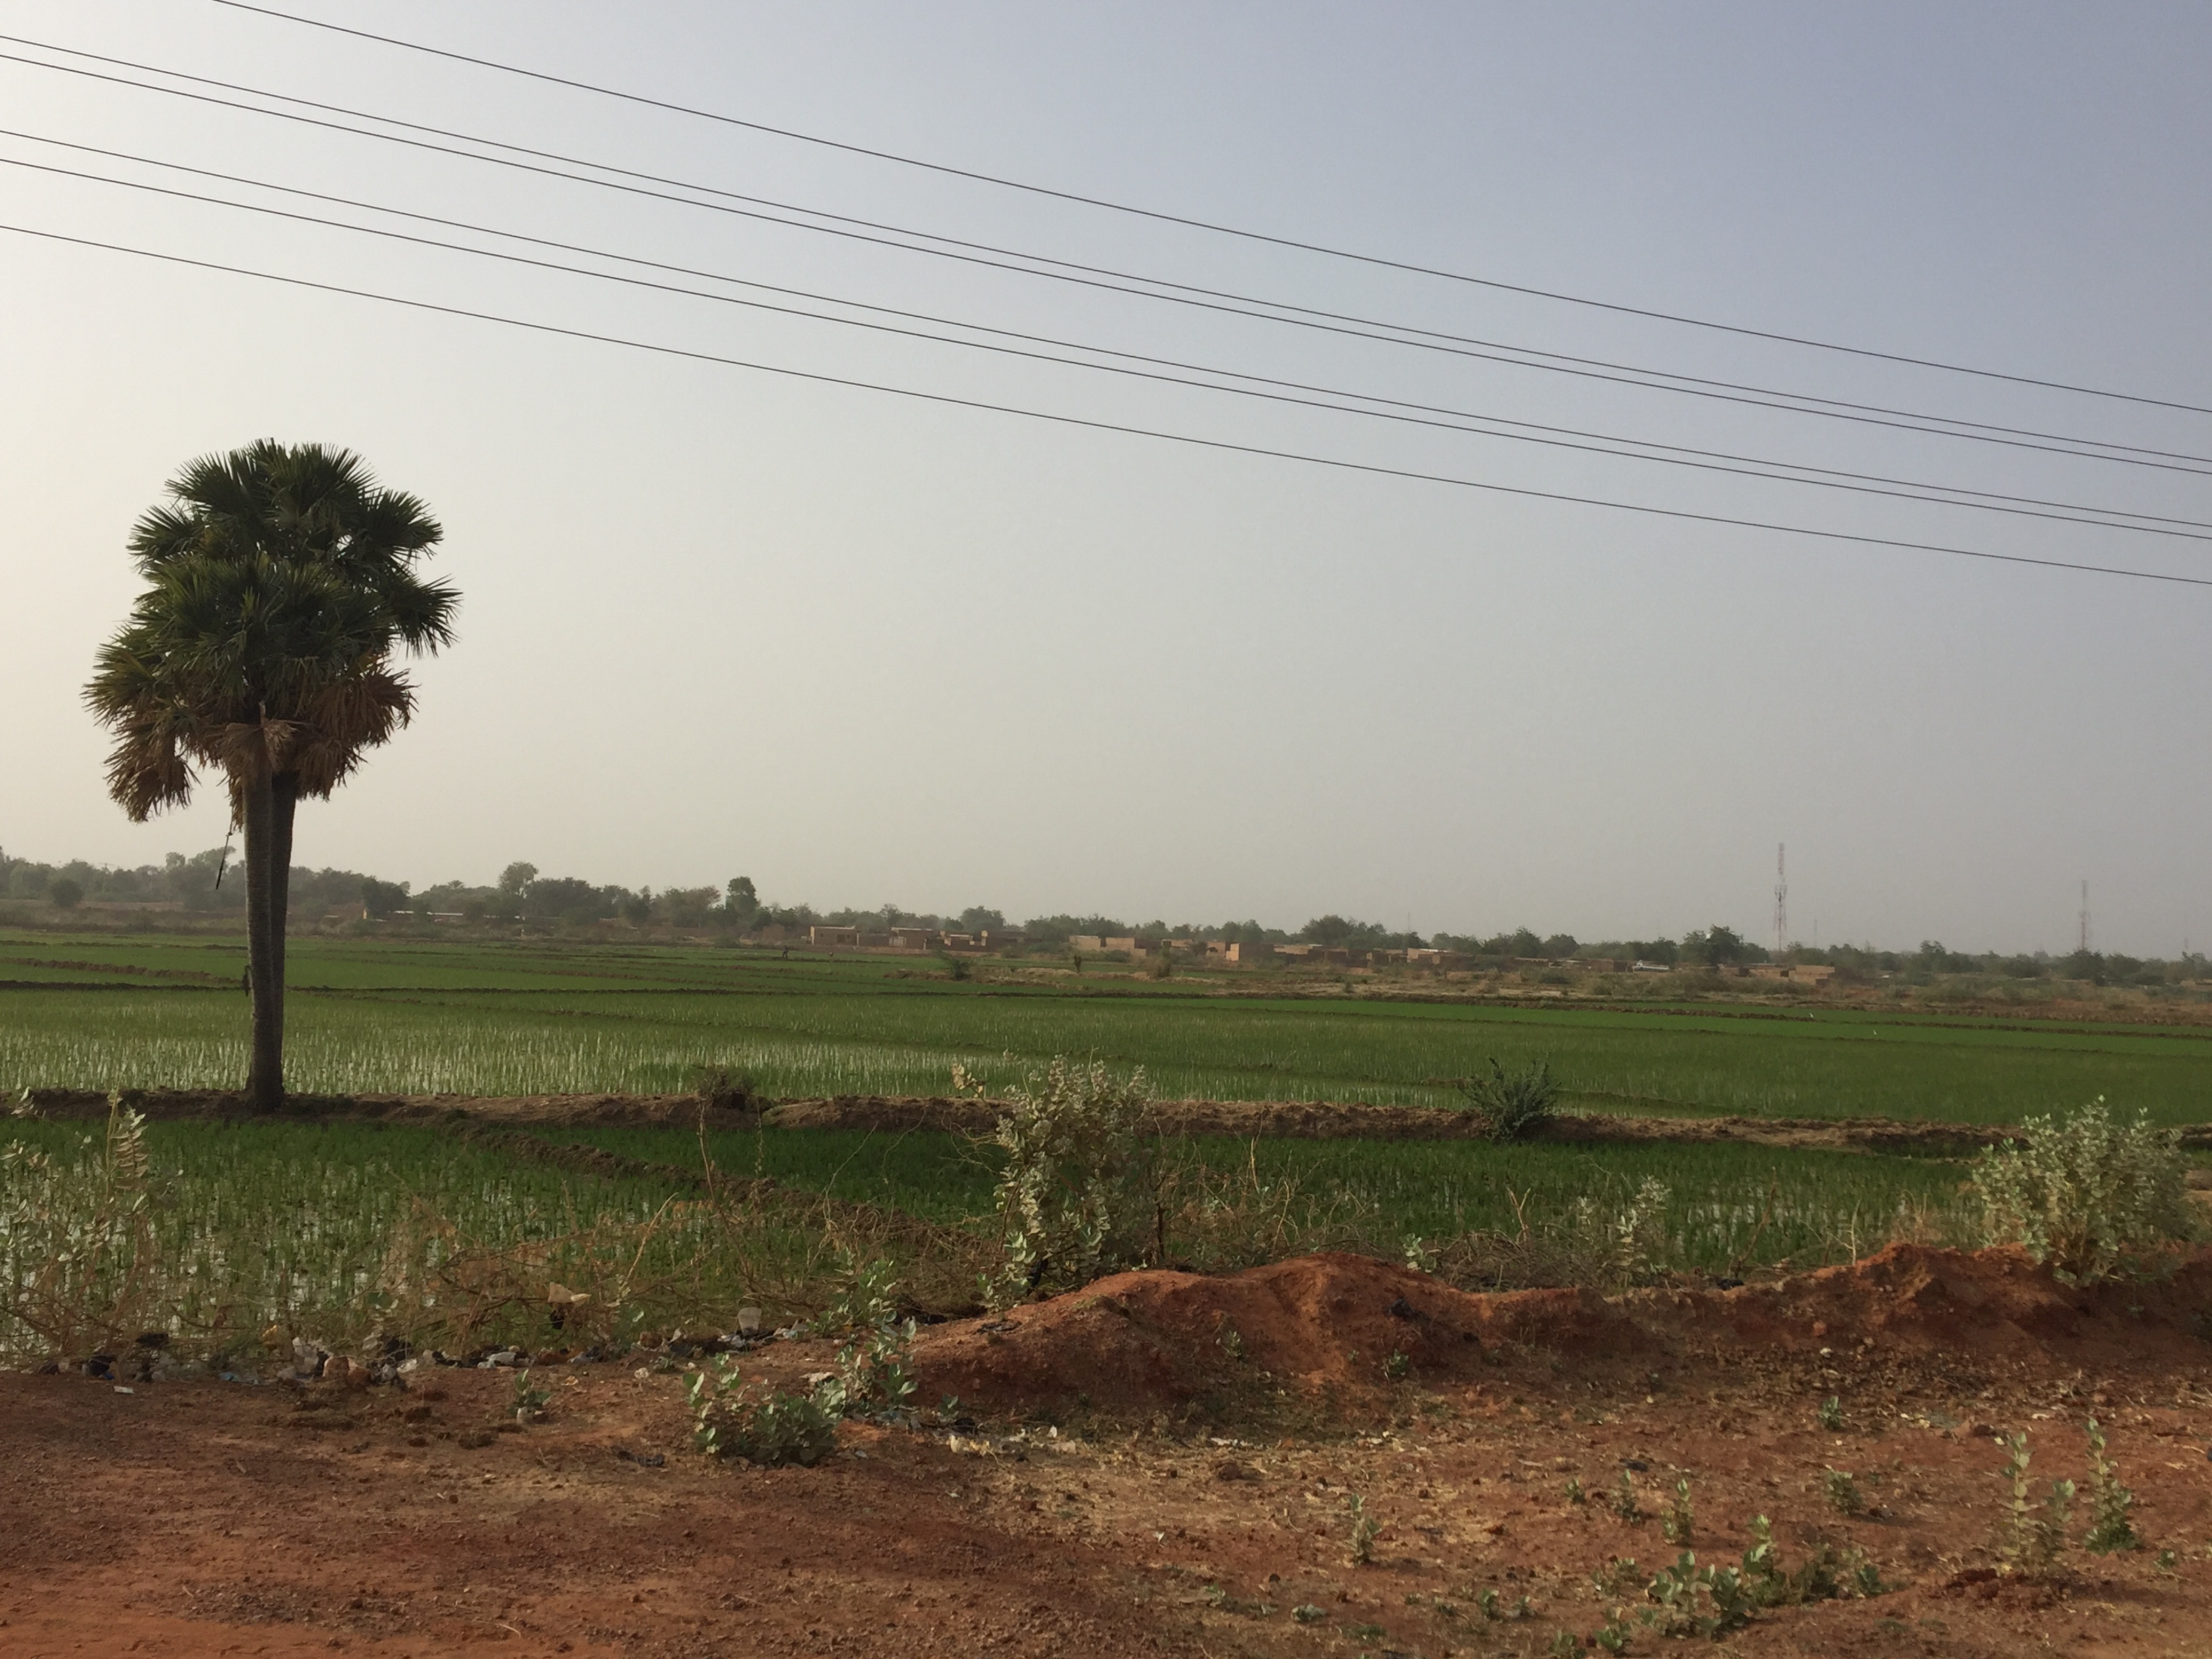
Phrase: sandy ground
[1142,1481]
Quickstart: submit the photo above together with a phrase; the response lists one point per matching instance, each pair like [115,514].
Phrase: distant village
[203,890]
[1148,947]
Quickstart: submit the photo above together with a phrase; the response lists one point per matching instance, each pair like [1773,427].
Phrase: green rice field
[472,1018]
[313,1225]
[302,1225]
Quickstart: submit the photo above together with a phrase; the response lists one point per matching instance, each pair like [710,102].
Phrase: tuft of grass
[1831,1413]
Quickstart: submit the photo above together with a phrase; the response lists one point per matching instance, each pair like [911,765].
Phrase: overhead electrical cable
[1227,446]
[1161,289]
[2068,513]
[1212,226]
[1063,270]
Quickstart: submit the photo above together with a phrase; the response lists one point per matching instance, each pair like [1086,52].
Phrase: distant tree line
[189,882]
[523,896]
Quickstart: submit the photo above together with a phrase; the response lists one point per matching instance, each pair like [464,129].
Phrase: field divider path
[1237,1119]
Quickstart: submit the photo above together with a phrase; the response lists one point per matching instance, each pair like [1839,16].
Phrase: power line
[773,288]
[1187,295]
[1212,226]
[1992,502]
[1221,444]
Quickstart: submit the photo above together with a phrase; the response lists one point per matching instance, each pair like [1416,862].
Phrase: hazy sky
[865,648]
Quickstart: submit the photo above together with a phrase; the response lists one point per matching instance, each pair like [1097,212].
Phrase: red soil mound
[1987,1304]
[1146,1341]
[1331,1324]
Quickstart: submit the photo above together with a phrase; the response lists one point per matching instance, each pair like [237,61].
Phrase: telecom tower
[1781,902]
[2085,919]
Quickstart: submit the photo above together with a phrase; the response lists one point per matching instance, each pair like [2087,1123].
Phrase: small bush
[726,1089]
[1625,1246]
[2034,1540]
[867,1297]
[2111,1525]
[1079,1188]
[875,1375]
[1844,1495]
[2086,1193]
[78,1256]
[1679,1522]
[1510,1103]
[1625,1503]
[733,1420]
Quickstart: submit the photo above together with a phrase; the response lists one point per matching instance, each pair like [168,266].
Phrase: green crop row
[1810,1206]
[333,1229]
[841,1037]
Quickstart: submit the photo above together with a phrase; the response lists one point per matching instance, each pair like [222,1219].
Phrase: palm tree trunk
[269,809]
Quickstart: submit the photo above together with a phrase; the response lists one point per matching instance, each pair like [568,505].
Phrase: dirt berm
[1242,1118]
[1341,1328]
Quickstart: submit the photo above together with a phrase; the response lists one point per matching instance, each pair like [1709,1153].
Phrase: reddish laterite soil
[1164,1463]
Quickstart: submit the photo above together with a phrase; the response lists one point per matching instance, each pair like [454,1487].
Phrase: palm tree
[280,586]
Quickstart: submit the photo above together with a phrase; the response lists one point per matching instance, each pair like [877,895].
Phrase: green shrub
[1079,1190]
[79,1260]
[2034,1539]
[1679,1520]
[2086,1193]
[1623,1246]
[867,1297]
[2112,1506]
[733,1420]
[727,1089]
[1844,1495]
[1510,1103]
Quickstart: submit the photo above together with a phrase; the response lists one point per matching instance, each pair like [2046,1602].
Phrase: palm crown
[281,583]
